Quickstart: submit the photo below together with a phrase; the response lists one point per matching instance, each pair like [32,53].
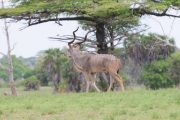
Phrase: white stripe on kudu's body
[90,64]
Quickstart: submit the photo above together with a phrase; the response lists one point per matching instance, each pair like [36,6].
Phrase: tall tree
[9,59]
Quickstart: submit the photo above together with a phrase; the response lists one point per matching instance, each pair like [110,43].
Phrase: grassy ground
[138,104]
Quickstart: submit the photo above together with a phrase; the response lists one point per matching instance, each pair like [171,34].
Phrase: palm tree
[52,64]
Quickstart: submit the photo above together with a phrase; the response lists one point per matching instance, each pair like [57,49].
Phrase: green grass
[138,104]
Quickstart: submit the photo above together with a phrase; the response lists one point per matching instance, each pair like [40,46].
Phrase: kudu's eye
[73,45]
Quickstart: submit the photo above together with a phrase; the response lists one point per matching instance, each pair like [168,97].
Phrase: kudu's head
[74,48]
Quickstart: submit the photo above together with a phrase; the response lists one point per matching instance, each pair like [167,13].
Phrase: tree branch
[144,11]
[37,20]
[70,37]
[165,41]
[2,54]
[12,48]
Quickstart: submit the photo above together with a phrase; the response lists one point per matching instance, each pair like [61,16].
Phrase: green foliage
[102,9]
[40,72]
[32,83]
[50,62]
[174,70]
[3,75]
[156,75]
[65,67]
[47,63]
[163,73]
[29,73]
[107,8]
[20,68]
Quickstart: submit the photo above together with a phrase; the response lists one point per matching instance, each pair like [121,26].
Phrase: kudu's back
[103,63]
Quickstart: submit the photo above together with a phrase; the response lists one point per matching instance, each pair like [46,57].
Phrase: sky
[29,41]
[164,26]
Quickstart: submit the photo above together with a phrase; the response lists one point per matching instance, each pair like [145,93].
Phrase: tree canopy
[101,14]
[89,10]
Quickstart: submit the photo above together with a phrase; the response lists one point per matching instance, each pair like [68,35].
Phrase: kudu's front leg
[87,85]
[93,79]
[87,79]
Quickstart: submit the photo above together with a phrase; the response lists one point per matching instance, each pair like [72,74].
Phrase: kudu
[90,64]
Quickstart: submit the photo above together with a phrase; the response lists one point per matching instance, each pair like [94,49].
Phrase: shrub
[32,83]
[174,70]
[156,75]
[163,73]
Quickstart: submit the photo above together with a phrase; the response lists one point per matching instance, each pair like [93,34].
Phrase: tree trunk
[10,64]
[9,60]
[100,36]
[56,80]
[111,39]
[102,49]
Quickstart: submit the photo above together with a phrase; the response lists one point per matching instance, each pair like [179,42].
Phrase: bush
[156,75]
[174,70]
[32,83]
[163,73]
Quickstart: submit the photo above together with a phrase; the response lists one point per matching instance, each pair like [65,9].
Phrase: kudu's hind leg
[111,83]
[119,79]
[121,82]
[97,89]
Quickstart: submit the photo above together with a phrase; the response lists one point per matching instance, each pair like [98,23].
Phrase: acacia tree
[100,13]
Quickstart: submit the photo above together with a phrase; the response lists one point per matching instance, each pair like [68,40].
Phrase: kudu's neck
[76,54]
[77,59]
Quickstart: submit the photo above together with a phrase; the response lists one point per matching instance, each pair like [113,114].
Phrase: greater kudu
[90,64]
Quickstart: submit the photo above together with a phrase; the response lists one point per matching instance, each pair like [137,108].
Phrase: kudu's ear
[69,43]
[85,38]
